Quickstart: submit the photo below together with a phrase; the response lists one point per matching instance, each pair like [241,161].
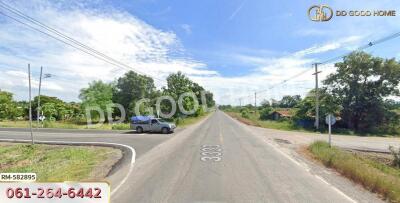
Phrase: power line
[370,44]
[66,39]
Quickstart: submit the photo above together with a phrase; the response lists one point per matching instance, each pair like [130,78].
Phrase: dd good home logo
[320,13]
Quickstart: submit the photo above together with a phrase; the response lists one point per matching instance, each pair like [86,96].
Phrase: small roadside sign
[330,119]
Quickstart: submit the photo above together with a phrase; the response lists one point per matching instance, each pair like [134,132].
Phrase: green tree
[8,107]
[360,85]
[327,105]
[289,101]
[132,87]
[264,104]
[265,113]
[49,111]
[58,104]
[177,84]
[98,94]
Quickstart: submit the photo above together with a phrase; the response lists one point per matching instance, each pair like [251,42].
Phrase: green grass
[190,120]
[82,125]
[253,119]
[373,175]
[288,125]
[65,125]
[53,163]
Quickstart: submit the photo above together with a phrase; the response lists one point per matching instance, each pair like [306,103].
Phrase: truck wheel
[164,130]
[139,130]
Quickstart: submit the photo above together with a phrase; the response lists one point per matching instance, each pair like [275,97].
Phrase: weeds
[359,170]
[396,156]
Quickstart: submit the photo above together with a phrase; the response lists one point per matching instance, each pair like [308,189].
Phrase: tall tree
[177,84]
[327,105]
[360,84]
[289,101]
[132,87]
[98,94]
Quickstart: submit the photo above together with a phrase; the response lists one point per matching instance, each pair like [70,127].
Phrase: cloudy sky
[231,47]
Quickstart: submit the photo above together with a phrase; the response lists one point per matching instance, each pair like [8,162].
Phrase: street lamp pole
[40,87]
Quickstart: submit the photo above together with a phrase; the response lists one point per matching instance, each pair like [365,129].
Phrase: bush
[121,126]
[396,156]
[245,113]
[265,113]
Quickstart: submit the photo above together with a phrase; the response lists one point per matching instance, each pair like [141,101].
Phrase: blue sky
[232,47]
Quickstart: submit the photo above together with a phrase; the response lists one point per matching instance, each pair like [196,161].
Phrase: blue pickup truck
[150,124]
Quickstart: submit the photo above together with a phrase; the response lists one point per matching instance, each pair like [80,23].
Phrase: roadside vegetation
[127,91]
[58,163]
[357,94]
[190,120]
[373,175]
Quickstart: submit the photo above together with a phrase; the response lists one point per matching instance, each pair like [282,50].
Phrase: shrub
[396,156]
[265,113]
[245,113]
[121,126]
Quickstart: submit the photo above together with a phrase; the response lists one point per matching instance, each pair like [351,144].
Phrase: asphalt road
[140,142]
[248,169]
[215,160]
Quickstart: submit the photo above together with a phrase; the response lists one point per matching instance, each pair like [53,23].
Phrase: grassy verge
[287,125]
[374,176]
[58,163]
[82,125]
[279,125]
[65,125]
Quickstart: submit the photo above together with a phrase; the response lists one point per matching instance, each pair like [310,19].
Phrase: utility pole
[255,103]
[38,107]
[30,102]
[240,102]
[316,96]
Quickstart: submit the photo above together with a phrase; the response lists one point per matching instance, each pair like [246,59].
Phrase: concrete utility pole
[316,96]
[40,87]
[240,102]
[30,102]
[255,102]
[38,107]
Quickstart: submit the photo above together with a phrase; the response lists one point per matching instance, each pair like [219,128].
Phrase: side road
[377,144]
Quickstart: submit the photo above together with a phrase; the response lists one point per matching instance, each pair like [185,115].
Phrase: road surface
[250,169]
[216,160]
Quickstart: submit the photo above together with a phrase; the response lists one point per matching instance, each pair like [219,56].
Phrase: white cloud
[274,70]
[116,33]
[187,28]
[152,51]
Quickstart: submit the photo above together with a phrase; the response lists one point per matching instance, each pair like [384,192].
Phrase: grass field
[373,175]
[58,163]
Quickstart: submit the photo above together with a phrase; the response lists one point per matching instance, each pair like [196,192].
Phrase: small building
[281,113]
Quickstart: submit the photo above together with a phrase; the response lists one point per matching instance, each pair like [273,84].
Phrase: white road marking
[334,188]
[133,159]
[304,166]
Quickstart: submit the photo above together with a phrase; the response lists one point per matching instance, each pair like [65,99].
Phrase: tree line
[360,94]
[126,91]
